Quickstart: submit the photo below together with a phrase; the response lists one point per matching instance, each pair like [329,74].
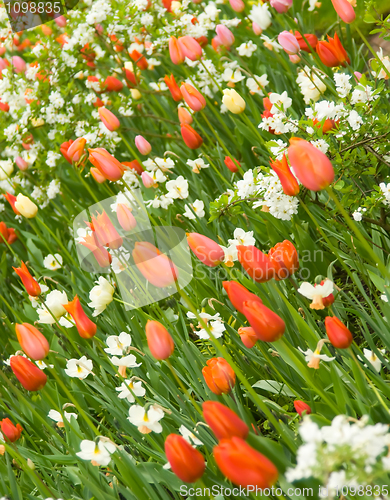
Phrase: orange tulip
[192,97]
[300,407]
[76,150]
[311,39]
[160,342]
[223,421]
[108,166]
[248,336]
[85,327]
[134,165]
[238,294]
[10,431]
[125,218]
[64,150]
[243,465]
[175,51]
[184,115]
[338,333]
[267,325]
[30,284]
[219,376]
[7,234]
[191,138]
[345,10]
[190,47]
[207,251]
[186,462]
[31,340]
[287,179]
[232,165]
[332,53]
[105,231]
[327,125]
[11,200]
[139,59]
[313,169]
[109,119]
[102,256]
[97,175]
[285,259]
[173,88]
[28,374]
[256,263]
[112,84]
[155,266]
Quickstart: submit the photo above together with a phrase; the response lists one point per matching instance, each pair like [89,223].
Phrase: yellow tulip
[233,101]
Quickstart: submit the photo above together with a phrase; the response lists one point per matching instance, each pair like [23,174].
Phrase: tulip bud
[112,84]
[232,165]
[243,465]
[191,138]
[238,294]
[142,145]
[76,150]
[160,342]
[25,206]
[219,376]
[105,231]
[30,284]
[256,263]
[223,421]
[97,175]
[19,64]
[285,259]
[107,165]
[233,101]
[173,88]
[207,251]
[224,34]
[155,266]
[289,43]
[85,327]
[312,167]
[248,336]
[109,119]
[28,374]
[237,5]
[256,29]
[9,430]
[345,10]
[192,97]
[186,462]
[190,47]
[60,21]
[301,407]
[268,326]
[147,180]
[7,234]
[184,115]
[281,6]
[338,333]
[175,51]
[125,218]
[31,340]
[20,163]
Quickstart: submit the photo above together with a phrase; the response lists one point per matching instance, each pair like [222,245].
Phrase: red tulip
[311,39]
[191,138]
[4,106]
[232,165]
[186,462]
[108,166]
[112,84]
[327,301]
[248,336]
[338,333]
[238,294]
[103,258]
[190,47]
[173,88]
[125,218]
[10,431]
[243,465]
[105,231]
[300,407]
[109,119]
[28,374]
[184,115]
[223,421]
[256,263]
[85,327]
[332,53]
[287,179]
[131,79]
[30,284]
[285,259]
[267,325]
[192,97]
[311,166]
[155,266]
[31,340]
[64,150]
[7,233]
[219,376]
[160,342]
[76,150]
[11,200]
[345,10]
[207,251]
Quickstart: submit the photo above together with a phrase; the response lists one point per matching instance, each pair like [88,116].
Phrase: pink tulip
[125,218]
[21,164]
[99,29]
[175,51]
[192,97]
[345,10]
[256,29]
[288,41]
[18,64]
[147,180]
[225,36]
[142,145]
[109,119]
[190,47]
[294,58]
[237,5]
[357,75]
[281,6]
[60,21]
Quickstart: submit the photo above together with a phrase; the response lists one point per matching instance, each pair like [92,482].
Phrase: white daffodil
[242,237]
[189,436]
[57,417]
[216,327]
[98,453]
[197,207]
[54,302]
[101,295]
[146,421]
[313,358]
[177,188]
[231,255]
[127,361]
[118,344]
[316,293]
[52,262]
[79,368]
[197,165]
[280,102]
[42,365]
[373,358]
[128,389]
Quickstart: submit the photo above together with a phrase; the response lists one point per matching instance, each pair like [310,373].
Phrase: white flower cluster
[345,453]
